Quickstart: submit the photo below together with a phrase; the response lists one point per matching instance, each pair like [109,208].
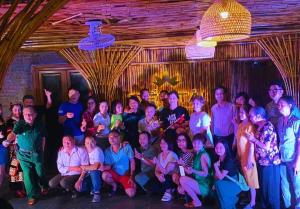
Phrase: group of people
[166,150]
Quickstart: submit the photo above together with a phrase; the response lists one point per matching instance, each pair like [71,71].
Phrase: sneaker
[96,198]
[167,197]
[91,193]
[112,193]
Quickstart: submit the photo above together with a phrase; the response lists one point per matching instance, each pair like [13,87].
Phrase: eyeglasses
[274,90]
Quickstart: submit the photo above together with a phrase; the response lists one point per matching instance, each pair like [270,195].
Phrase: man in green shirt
[30,135]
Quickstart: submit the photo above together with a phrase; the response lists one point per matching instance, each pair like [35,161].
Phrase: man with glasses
[275,92]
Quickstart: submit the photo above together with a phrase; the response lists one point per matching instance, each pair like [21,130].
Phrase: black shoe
[74,194]
[112,193]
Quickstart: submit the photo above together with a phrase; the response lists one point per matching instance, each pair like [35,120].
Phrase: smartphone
[181,170]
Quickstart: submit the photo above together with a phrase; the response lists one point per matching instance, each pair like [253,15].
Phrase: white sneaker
[167,197]
[96,198]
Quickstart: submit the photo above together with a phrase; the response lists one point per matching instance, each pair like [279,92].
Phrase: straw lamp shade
[225,20]
[203,43]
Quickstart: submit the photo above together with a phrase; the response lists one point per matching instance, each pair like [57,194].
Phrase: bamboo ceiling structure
[16,28]
[150,23]
[56,25]
[102,68]
[284,52]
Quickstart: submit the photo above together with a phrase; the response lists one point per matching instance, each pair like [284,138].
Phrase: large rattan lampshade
[225,20]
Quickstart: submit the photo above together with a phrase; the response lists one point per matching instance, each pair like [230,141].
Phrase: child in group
[116,120]
[102,125]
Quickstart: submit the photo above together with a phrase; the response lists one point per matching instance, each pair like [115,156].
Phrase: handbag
[241,182]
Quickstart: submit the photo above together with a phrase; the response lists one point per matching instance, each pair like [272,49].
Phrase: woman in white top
[90,177]
[102,125]
[200,120]
[165,166]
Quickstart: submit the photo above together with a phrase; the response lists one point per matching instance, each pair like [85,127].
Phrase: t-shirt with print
[168,116]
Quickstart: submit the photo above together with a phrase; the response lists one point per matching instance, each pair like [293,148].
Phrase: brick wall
[18,80]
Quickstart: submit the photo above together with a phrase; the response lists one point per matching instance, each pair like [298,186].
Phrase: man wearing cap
[30,135]
[70,116]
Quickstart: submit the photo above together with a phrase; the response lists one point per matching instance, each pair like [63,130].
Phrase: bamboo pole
[102,68]
[14,31]
[284,52]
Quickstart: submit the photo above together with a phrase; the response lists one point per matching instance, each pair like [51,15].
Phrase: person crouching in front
[90,178]
[70,158]
[119,165]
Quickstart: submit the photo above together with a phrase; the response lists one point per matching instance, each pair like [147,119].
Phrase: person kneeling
[145,153]
[119,165]
[70,158]
[90,177]
[199,183]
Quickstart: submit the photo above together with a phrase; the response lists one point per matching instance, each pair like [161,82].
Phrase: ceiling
[155,22]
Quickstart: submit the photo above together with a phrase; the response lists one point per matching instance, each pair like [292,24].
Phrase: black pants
[156,186]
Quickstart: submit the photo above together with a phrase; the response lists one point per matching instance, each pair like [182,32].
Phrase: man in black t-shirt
[174,117]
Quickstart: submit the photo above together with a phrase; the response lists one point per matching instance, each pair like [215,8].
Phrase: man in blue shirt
[70,116]
[119,165]
[289,135]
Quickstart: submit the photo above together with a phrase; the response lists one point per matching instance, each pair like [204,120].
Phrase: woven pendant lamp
[225,20]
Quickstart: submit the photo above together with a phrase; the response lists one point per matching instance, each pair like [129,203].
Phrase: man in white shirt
[90,178]
[222,114]
[69,160]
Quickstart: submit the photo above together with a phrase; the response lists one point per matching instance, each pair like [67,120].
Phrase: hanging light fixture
[204,43]
[225,20]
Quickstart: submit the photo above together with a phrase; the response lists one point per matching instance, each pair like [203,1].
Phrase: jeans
[92,182]
[142,179]
[290,185]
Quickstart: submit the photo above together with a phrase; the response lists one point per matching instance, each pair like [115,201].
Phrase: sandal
[31,201]
[192,205]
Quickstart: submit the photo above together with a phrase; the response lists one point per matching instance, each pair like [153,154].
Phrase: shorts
[124,180]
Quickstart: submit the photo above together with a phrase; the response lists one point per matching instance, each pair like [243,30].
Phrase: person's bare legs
[175,178]
[253,196]
[191,187]
[131,191]
[107,178]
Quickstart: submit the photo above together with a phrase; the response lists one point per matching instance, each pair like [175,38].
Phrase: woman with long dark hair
[227,190]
